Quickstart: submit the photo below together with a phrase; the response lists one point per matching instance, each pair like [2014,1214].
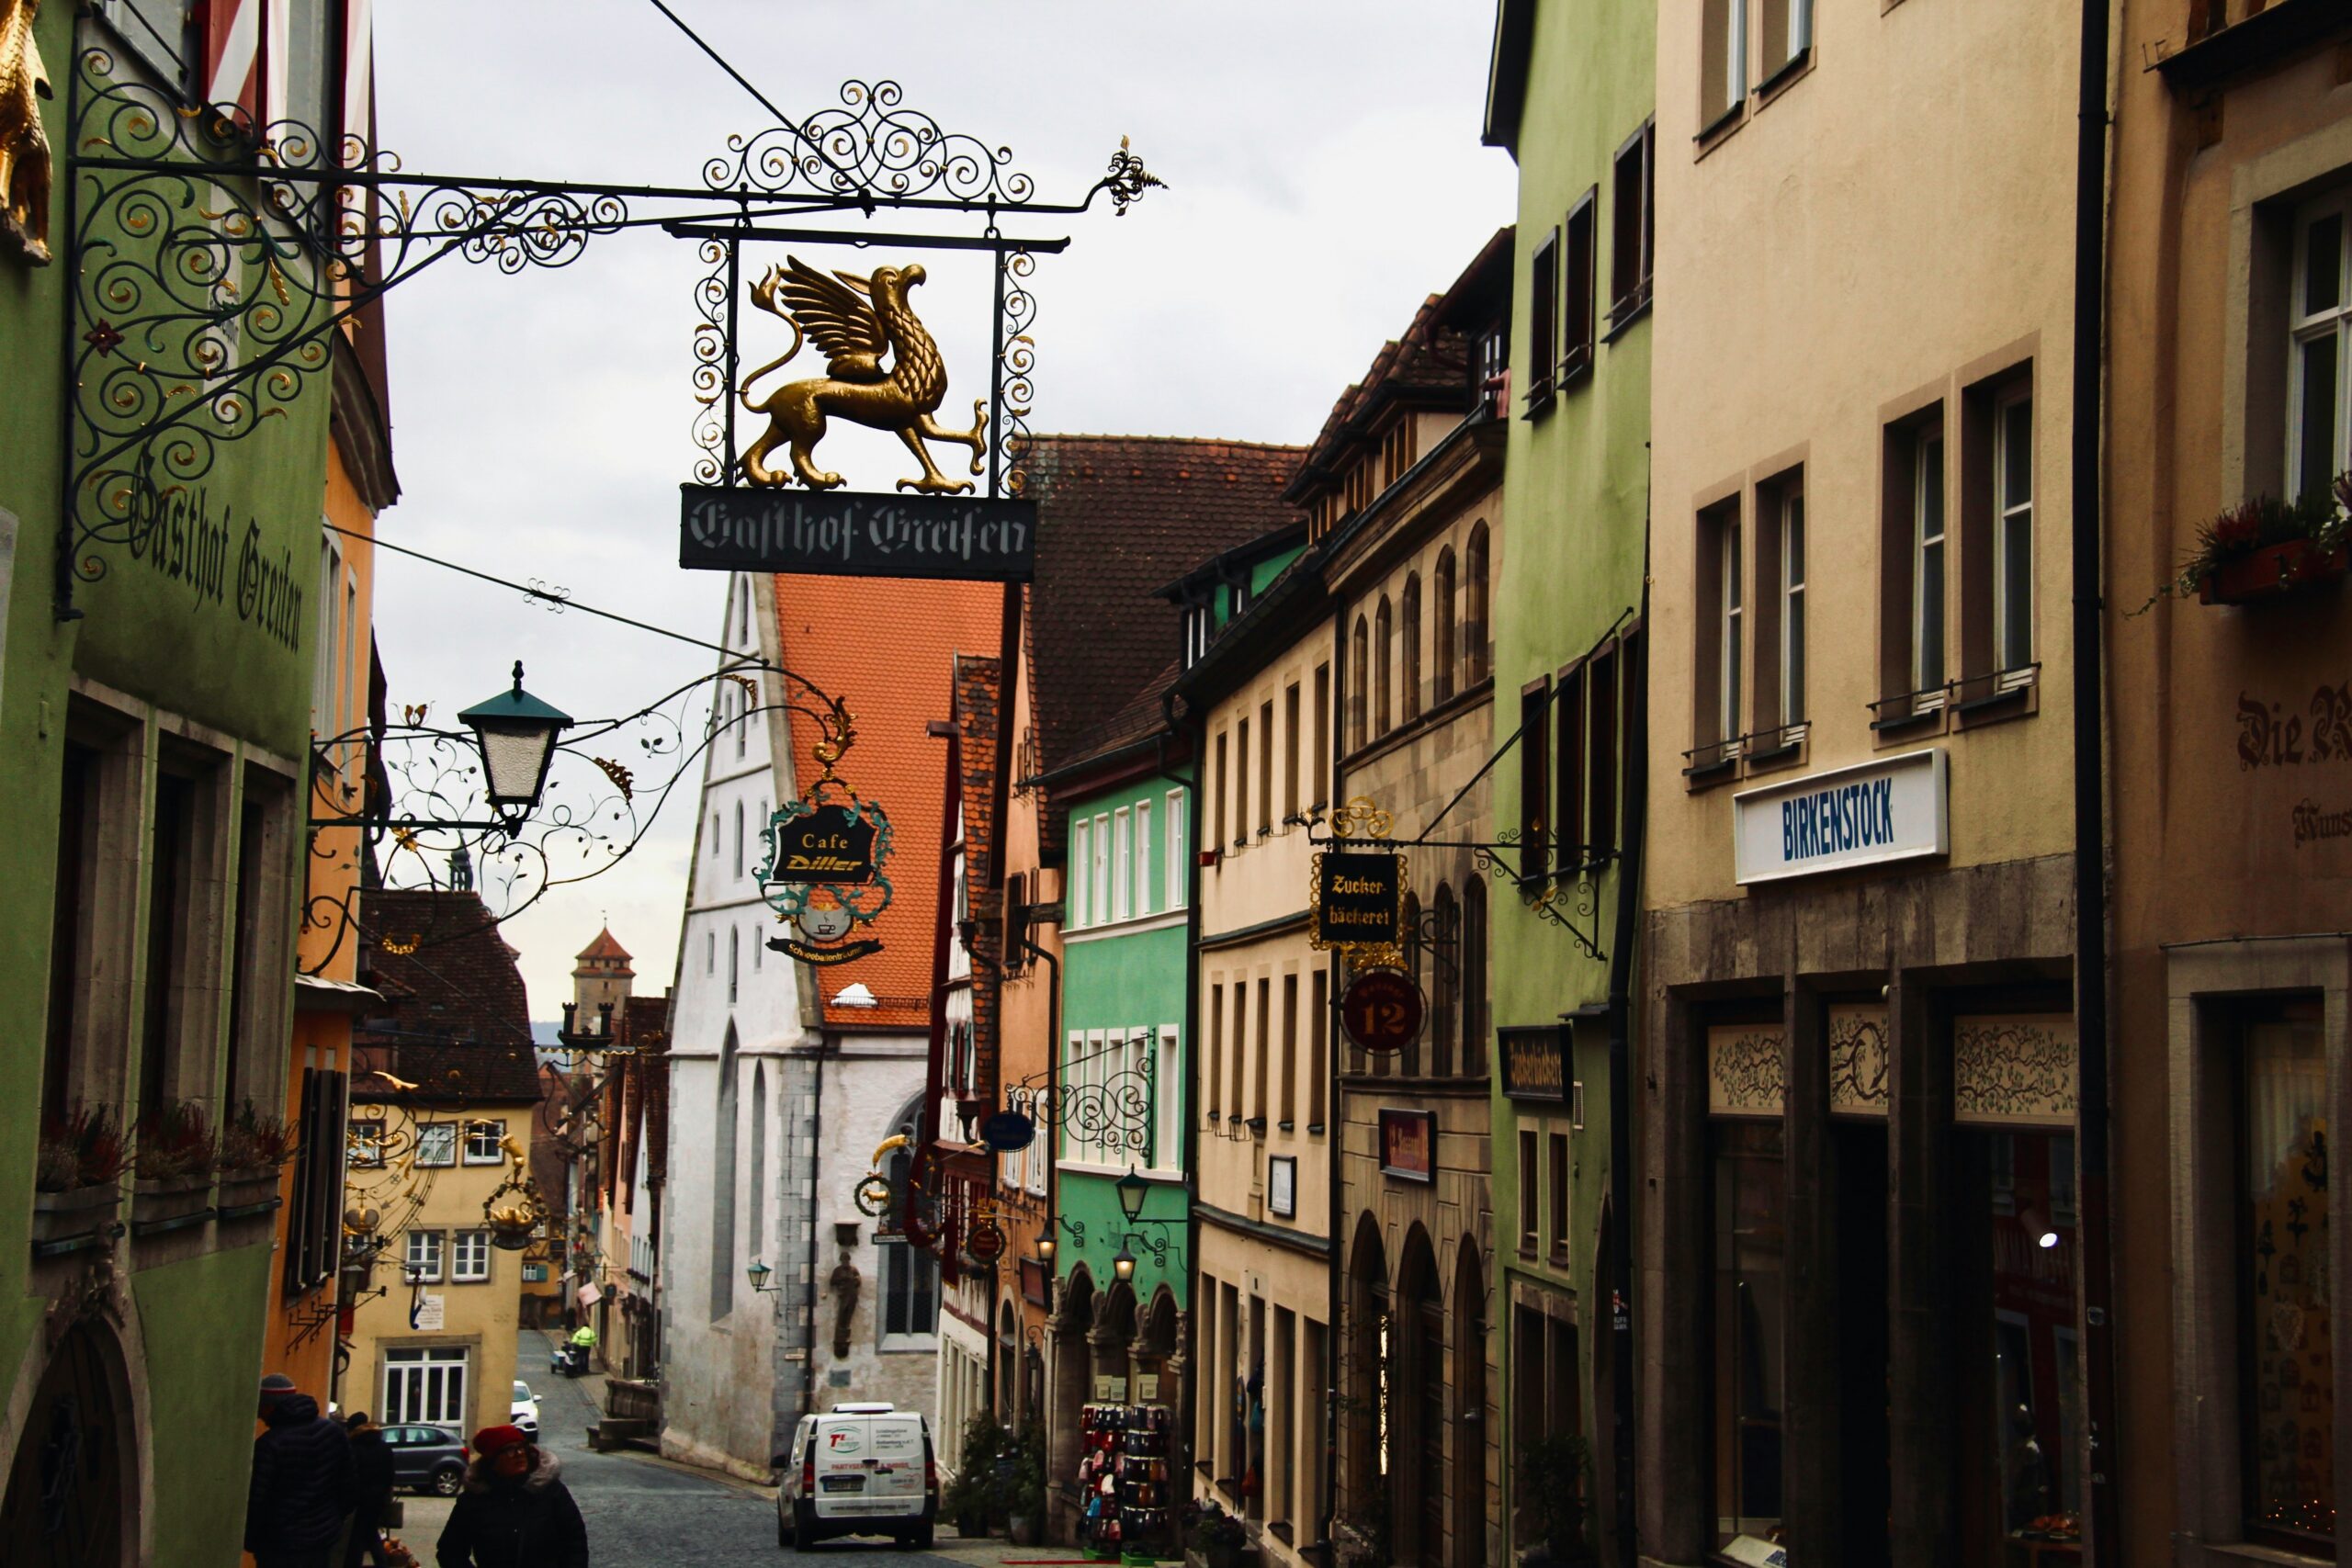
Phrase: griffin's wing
[837,318]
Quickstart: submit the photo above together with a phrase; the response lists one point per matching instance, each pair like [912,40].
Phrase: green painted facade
[1576,503]
[1128,977]
[207,631]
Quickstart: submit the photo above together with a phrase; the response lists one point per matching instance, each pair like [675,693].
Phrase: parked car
[525,1413]
[859,1470]
[430,1458]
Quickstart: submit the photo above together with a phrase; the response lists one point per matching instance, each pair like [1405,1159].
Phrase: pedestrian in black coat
[514,1513]
[372,1479]
[301,1489]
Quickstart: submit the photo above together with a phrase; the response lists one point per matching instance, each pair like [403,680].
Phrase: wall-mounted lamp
[758,1273]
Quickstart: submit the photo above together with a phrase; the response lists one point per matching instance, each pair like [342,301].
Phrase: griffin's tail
[763,295]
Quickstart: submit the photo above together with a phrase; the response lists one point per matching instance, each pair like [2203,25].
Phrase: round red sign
[1383,1009]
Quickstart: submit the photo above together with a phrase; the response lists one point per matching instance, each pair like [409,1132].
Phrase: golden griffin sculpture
[855,321]
[24,144]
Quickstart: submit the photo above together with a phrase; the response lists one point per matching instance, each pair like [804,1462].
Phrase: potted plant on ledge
[76,1179]
[172,1156]
[1214,1537]
[2265,548]
[972,1498]
[1025,1509]
[254,1145]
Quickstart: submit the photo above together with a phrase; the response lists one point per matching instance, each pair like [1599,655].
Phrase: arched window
[1441,640]
[1446,993]
[1408,1061]
[758,1190]
[1359,661]
[1412,672]
[1474,978]
[1383,648]
[723,1185]
[734,960]
[1477,657]
[739,840]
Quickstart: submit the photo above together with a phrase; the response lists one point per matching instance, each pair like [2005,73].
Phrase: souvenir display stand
[1122,1475]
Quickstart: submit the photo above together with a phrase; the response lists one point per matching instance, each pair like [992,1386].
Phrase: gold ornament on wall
[25,164]
[855,321]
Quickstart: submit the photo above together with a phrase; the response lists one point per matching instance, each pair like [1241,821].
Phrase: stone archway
[1113,1338]
[70,1486]
[1417,1406]
[1072,1375]
[1469,1404]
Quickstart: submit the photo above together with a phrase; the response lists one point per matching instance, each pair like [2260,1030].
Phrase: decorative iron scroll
[871,146]
[1564,899]
[1113,1117]
[1014,372]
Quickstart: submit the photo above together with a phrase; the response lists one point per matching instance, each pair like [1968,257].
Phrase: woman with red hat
[514,1513]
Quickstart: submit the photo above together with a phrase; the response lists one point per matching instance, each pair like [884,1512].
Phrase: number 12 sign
[1383,1009]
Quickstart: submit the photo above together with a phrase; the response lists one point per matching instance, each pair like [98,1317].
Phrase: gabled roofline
[1507,73]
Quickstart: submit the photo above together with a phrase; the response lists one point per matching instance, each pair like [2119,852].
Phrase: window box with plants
[2266,548]
[77,1187]
[254,1145]
[172,1154]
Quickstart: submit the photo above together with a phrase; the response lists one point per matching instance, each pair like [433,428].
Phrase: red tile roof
[886,646]
[606,947]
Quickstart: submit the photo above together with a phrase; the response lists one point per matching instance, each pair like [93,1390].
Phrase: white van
[859,1470]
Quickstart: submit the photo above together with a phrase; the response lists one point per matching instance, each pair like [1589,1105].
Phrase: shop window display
[1750,1247]
[2289,1353]
[2036,1419]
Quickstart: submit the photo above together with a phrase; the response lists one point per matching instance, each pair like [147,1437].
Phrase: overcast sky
[1324,174]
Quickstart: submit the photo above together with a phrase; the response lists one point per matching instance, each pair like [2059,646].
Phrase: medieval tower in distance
[602,978]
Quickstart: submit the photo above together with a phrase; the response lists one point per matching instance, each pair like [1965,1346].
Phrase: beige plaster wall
[1893,221]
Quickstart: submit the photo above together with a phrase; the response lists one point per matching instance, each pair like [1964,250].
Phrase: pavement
[647,1512]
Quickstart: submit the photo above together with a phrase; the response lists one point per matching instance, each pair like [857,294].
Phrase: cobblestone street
[644,1512]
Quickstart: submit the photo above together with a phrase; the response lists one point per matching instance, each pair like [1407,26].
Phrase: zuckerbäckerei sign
[1889,809]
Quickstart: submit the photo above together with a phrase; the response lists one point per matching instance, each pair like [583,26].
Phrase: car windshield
[522,1390]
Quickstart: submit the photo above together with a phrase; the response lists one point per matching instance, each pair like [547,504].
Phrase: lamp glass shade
[1133,1190]
[516,733]
[759,1273]
[1124,1265]
[1045,1247]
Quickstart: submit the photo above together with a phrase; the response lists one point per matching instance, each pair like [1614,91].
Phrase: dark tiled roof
[457,1023]
[1142,717]
[1119,516]
[1429,367]
[977,694]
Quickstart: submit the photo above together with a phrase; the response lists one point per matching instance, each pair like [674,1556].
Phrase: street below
[644,1512]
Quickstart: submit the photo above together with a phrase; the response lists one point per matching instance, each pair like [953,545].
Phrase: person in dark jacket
[514,1513]
[371,1480]
[301,1491]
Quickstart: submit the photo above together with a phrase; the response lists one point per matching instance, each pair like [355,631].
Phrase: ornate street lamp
[1124,1265]
[758,1274]
[1047,1245]
[1133,1190]
[516,733]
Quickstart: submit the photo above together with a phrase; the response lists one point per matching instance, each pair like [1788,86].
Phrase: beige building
[444,1093]
[2230,769]
[1859,1265]
[1258,691]
[1405,482]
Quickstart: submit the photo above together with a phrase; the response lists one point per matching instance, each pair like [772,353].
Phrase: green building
[1571,96]
[161,615]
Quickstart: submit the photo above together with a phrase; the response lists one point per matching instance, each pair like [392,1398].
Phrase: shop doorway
[2021,1411]
[1419,1328]
[65,1504]
[1363,1419]
[1470,1406]
[1859,1217]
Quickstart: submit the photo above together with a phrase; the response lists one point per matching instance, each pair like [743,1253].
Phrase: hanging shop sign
[1535,1063]
[822,843]
[1358,898]
[855,534]
[823,872]
[1383,1011]
[1409,1144]
[1007,1132]
[1896,808]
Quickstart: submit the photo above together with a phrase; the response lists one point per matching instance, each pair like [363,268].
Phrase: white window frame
[1924,540]
[415,1368]
[2012,601]
[1122,865]
[1179,880]
[1081,851]
[481,1148]
[1099,896]
[1735,55]
[364,1143]
[913,1257]
[1730,671]
[1793,575]
[425,1257]
[441,1137]
[1167,1145]
[2308,327]
[470,1258]
[1143,904]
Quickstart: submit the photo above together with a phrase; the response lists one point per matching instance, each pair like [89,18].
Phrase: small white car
[525,1414]
[859,1470]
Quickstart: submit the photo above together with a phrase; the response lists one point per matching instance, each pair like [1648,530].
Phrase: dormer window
[1200,626]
